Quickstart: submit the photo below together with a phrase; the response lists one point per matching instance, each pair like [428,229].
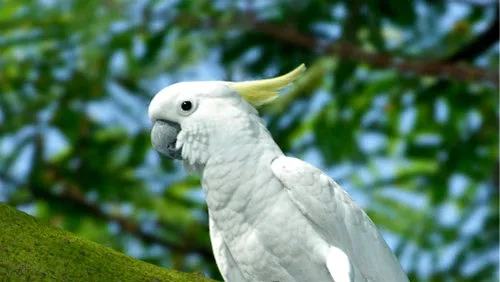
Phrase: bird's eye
[186,106]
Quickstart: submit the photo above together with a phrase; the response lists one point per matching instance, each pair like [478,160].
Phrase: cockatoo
[271,217]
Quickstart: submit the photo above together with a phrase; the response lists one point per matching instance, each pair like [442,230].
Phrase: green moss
[31,251]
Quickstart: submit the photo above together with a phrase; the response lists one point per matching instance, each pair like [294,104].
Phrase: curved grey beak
[164,136]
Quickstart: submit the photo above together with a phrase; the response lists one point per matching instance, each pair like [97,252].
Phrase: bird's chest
[264,232]
[277,245]
[241,196]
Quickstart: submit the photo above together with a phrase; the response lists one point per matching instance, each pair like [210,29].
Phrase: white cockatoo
[272,217]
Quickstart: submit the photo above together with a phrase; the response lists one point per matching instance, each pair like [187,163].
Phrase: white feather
[339,220]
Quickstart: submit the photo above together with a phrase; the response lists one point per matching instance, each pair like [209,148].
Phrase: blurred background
[399,106]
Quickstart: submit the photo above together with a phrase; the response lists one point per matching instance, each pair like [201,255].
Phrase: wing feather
[339,220]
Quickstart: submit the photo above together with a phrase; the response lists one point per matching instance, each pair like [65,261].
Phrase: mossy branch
[31,251]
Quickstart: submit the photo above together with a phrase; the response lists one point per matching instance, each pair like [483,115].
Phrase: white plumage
[272,217]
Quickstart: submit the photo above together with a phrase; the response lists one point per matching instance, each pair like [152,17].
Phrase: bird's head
[188,116]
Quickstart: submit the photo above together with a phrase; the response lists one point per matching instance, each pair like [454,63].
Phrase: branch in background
[347,50]
[420,67]
[476,3]
[480,44]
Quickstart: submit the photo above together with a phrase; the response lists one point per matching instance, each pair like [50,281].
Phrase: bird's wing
[339,220]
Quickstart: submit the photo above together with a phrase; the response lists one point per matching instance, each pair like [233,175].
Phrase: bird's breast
[264,231]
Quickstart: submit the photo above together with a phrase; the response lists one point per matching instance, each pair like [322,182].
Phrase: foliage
[400,106]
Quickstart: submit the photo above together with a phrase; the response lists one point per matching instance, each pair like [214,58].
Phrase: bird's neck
[235,177]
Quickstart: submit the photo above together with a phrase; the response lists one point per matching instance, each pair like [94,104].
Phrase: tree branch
[347,50]
[289,35]
[480,44]
[30,251]
[476,3]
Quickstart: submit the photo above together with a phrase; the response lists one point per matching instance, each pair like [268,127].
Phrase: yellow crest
[264,91]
